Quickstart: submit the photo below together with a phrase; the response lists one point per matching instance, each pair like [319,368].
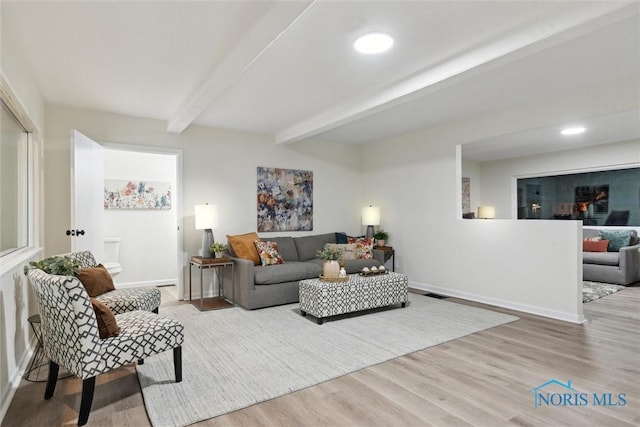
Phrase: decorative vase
[219,254]
[380,243]
[331,269]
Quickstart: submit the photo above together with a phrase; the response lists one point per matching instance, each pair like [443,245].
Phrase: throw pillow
[617,239]
[364,247]
[341,238]
[595,245]
[107,325]
[348,250]
[96,280]
[244,247]
[268,251]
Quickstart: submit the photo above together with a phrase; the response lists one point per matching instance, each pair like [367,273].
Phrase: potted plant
[57,265]
[381,236]
[218,249]
[331,267]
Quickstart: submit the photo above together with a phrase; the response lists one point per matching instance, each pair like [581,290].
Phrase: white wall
[17,301]
[533,266]
[219,167]
[148,251]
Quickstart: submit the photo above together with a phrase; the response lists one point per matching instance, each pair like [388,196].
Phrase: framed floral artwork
[124,194]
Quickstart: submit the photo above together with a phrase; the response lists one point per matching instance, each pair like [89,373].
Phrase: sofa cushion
[286,247]
[243,246]
[308,245]
[356,265]
[617,239]
[287,272]
[268,252]
[595,245]
[601,258]
[352,266]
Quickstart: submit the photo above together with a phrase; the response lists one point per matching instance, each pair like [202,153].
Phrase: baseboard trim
[525,308]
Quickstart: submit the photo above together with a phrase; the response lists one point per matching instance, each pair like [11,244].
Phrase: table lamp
[206,219]
[486,212]
[370,218]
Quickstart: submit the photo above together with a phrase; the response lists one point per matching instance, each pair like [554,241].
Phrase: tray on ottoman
[324,299]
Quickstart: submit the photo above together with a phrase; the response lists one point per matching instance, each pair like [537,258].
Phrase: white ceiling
[288,69]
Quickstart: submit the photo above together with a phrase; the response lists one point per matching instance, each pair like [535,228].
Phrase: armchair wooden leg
[177,363]
[88,386]
[140,361]
[51,380]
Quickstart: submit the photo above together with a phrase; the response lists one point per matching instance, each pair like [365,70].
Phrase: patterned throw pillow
[268,251]
[617,239]
[348,249]
[364,247]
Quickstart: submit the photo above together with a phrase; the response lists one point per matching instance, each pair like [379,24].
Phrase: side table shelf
[217,264]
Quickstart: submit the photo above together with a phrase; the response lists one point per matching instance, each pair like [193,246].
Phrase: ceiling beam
[258,39]
[524,42]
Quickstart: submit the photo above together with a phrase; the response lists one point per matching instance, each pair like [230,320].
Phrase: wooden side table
[389,253]
[216,263]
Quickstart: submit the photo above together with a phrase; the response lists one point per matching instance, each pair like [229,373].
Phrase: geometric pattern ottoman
[323,299]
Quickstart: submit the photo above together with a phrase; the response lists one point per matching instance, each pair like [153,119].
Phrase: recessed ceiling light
[373,43]
[573,131]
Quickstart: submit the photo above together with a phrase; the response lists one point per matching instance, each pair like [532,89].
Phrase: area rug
[592,291]
[234,358]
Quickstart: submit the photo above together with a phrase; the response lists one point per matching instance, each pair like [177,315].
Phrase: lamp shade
[206,217]
[486,212]
[371,215]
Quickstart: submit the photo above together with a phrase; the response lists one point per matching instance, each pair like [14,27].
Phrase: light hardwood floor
[484,379]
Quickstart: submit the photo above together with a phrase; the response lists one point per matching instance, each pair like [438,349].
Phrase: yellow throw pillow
[96,280]
[243,246]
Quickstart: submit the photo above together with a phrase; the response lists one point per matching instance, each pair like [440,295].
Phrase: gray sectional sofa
[264,286]
[621,267]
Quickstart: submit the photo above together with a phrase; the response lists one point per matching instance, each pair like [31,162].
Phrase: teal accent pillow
[617,239]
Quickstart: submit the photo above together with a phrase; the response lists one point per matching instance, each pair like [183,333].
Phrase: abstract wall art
[284,199]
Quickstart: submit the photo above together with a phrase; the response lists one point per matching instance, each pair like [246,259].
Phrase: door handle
[74,232]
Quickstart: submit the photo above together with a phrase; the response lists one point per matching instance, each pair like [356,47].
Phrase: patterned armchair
[121,300]
[71,338]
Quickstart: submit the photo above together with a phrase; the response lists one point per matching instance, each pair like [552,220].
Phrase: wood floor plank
[482,379]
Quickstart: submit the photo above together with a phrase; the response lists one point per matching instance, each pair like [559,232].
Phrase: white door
[87,195]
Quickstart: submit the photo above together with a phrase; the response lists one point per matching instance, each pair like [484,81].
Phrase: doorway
[148,228]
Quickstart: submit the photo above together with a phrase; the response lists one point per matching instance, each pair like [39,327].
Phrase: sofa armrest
[378,255]
[630,261]
[244,280]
